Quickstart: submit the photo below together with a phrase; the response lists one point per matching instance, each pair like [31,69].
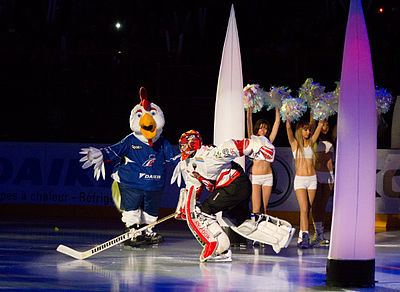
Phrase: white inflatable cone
[229,119]
[351,260]
[229,116]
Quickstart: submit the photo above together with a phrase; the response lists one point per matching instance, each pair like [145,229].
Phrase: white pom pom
[383,100]
[292,108]
[253,96]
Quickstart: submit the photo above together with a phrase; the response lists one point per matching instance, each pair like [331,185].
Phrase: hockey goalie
[213,167]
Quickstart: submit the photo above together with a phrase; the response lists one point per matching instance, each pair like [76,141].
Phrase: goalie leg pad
[272,231]
[210,222]
[206,229]
[273,227]
[279,221]
[262,234]
[286,230]
[246,228]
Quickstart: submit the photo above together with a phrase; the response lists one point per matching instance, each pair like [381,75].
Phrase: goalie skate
[226,256]
[270,230]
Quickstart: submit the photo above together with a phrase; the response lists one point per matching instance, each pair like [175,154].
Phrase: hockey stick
[106,245]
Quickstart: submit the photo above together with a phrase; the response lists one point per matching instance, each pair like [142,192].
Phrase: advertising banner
[50,173]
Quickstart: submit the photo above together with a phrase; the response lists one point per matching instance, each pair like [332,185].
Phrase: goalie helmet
[189,142]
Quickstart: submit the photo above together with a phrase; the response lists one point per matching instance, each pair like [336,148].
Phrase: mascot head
[146,120]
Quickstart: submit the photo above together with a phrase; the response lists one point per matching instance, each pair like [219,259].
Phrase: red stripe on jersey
[235,175]
[269,151]
[239,145]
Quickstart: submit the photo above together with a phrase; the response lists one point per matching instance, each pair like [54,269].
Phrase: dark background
[68,75]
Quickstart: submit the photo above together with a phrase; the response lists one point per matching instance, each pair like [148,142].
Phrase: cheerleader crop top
[307,153]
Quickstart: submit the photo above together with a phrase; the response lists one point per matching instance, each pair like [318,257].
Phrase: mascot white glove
[93,156]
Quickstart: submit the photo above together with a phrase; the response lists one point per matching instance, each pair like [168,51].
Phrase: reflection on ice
[30,261]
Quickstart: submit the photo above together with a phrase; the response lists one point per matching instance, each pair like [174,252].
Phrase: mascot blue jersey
[141,166]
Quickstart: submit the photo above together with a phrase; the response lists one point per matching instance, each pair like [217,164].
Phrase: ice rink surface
[29,261]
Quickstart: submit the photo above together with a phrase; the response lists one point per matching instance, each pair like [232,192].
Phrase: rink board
[50,174]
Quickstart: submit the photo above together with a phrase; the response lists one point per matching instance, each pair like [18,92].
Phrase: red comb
[143,98]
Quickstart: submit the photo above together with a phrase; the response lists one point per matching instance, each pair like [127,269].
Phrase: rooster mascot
[139,173]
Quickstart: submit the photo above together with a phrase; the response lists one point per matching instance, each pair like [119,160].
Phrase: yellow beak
[148,126]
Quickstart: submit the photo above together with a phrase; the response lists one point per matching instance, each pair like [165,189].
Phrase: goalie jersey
[212,166]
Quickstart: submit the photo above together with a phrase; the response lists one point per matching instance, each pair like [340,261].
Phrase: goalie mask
[189,142]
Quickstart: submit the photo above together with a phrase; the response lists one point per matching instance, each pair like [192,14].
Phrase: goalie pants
[133,199]
[233,198]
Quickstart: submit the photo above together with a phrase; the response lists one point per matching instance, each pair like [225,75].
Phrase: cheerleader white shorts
[305,182]
[262,179]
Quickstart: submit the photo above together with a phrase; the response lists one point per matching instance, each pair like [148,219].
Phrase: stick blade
[69,251]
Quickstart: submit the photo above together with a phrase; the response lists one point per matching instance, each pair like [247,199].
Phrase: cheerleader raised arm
[305,182]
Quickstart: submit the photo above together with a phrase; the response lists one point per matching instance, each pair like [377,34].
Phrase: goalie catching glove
[261,148]
[93,156]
